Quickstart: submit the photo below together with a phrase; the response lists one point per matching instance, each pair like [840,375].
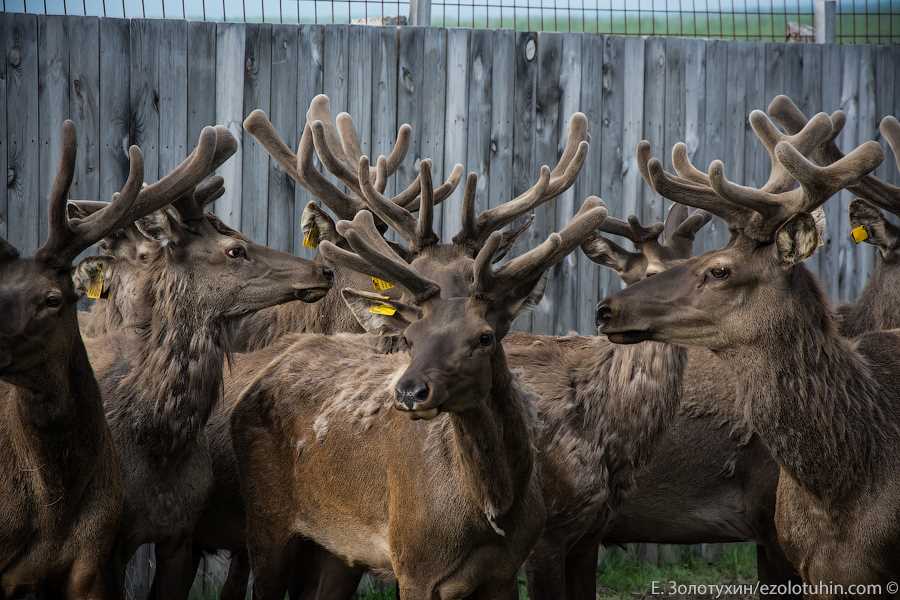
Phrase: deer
[824,405]
[161,375]
[476,439]
[222,526]
[63,489]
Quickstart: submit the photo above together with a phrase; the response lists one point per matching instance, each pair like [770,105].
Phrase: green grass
[622,576]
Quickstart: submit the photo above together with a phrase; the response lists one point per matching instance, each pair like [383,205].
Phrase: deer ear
[161,227]
[379,314]
[317,227]
[797,240]
[91,277]
[607,253]
[875,229]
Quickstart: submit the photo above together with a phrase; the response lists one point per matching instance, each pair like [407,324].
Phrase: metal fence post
[825,21]
[420,13]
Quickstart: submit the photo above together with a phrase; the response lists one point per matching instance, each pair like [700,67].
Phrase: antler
[393,211]
[497,281]
[550,184]
[374,256]
[882,194]
[68,237]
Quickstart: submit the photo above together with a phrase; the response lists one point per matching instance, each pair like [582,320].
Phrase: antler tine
[396,156]
[816,132]
[682,239]
[616,226]
[209,190]
[59,233]
[684,167]
[191,206]
[497,280]
[676,215]
[890,131]
[259,126]
[469,230]
[441,193]
[820,183]
[425,226]
[372,257]
[343,205]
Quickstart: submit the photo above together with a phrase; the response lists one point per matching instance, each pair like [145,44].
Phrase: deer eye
[486,339]
[236,252]
[53,300]
[719,272]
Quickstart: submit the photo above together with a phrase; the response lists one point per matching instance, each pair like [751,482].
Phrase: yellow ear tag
[859,234]
[381,285]
[311,237]
[383,309]
[95,287]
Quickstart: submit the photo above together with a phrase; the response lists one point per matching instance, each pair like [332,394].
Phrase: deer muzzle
[416,398]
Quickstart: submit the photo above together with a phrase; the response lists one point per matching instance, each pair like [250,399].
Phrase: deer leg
[546,571]
[270,561]
[773,568]
[581,571]
[329,577]
[235,586]
[87,581]
[176,566]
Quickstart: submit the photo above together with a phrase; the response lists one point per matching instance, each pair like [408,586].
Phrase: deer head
[737,294]
[657,247]
[453,340]
[37,296]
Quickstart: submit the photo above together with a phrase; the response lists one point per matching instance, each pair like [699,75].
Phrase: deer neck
[176,378]
[814,399]
[877,307]
[58,428]
[627,395]
[491,446]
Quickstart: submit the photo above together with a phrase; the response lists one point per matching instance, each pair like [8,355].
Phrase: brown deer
[380,503]
[825,406]
[877,307]
[162,374]
[62,487]
[223,523]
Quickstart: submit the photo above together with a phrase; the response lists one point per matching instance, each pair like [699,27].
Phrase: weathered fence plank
[53,102]
[114,110]
[230,56]
[455,122]
[23,176]
[285,43]
[830,270]
[546,146]
[144,91]
[201,68]
[173,94]
[410,90]
[360,84]
[621,75]
[590,181]
[478,118]
[850,259]
[714,142]
[654,116]
[384,95]
[502,119]
[5,33]
[695,129]
[84,104]
[434,87]
[257,89]
[309,83]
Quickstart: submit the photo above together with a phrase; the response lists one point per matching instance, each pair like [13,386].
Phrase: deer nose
[410,393]
[603,315]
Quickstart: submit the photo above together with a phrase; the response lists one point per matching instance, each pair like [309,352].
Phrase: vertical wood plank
[735,112]
[84,103]
[811,101]
[255,167]
[622,75]
[755,156]
[654,119]
[309,83]
[478,119]
[144,86]
[590,181]
[23,153]
[384,95]
[714,142]
[886,74]
[675,103]
[570,82]
[866,129]
[173,94]
[433,121]
[410,106]
[359,84]
[833,251]
[115,118]
[546,146]
[230,55]
[337,58]
[850,260]
[502,118]
[285,42]
[695,130]
[201,68]
[53,103]
[526,66]
[455,124]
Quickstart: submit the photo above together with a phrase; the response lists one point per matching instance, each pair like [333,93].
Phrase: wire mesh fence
[857,21]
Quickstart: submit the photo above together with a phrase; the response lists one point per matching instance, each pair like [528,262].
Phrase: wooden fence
[495,101]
